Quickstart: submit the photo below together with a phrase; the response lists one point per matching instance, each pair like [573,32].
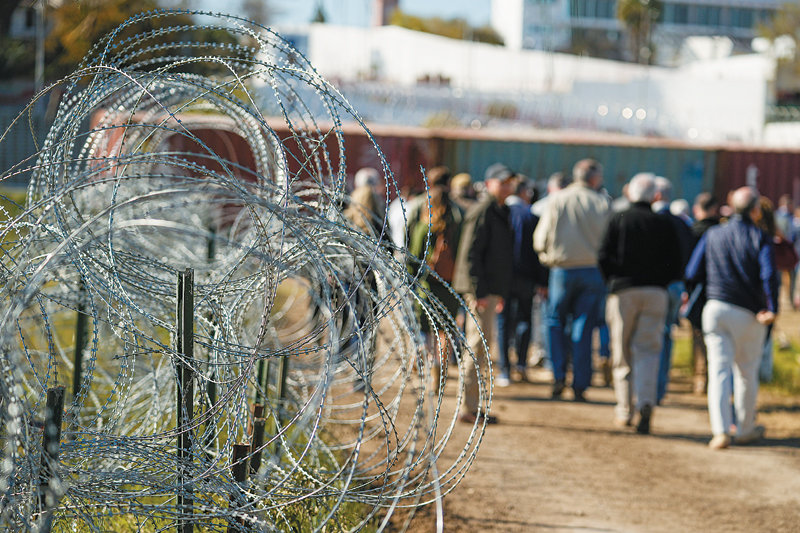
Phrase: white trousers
[734,342]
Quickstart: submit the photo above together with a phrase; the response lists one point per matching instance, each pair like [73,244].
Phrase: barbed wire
[303,396]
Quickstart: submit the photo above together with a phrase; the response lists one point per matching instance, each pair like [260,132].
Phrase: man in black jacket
[638,257]
[484,270]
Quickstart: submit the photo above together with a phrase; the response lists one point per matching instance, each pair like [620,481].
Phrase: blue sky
[358,12]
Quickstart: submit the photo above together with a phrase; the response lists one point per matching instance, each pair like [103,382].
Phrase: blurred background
[705,92]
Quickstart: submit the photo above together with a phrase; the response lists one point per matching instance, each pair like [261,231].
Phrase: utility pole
[38,77]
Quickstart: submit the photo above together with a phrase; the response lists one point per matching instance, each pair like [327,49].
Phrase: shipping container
[772,172]
[689,168]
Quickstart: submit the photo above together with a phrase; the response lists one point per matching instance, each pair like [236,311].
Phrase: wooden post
[239,471]
[81,337]
[257,437]
[283,373]
[185,405]
[51,442]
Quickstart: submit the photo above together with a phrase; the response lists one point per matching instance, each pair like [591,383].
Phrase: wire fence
[196,340]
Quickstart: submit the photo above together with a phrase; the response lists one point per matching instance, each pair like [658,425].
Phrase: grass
[786,365]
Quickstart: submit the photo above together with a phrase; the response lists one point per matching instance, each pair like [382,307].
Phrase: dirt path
[560,466]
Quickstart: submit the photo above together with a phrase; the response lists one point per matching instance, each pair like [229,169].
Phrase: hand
[765,317]
[542,292]
[498,308]
[481,304]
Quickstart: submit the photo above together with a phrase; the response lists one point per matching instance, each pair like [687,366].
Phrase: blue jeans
[576,304]
[514,325]
[674,291]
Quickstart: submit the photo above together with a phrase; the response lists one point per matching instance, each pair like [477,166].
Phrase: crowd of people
[577,270]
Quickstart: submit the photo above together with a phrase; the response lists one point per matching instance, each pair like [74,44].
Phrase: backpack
[442,261]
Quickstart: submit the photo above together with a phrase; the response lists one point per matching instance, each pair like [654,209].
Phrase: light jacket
[571,228]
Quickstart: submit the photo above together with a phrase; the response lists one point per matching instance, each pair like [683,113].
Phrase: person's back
[650,254]
[734,268]
[571,228]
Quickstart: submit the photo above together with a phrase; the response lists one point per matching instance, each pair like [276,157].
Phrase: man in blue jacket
[737,264]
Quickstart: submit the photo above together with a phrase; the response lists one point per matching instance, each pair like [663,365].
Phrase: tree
[319,15]
[783,30]
[639,18]
[456,28]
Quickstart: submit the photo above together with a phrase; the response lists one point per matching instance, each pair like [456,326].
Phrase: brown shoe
[719,442]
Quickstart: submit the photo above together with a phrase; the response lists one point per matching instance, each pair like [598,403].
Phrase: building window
[741,17]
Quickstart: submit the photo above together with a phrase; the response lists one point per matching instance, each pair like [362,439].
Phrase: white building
[553,24]
[387,73]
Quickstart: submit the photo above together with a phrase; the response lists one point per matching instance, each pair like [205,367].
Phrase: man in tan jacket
[567,240]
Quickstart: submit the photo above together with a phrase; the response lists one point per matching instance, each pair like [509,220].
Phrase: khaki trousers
[474,388]
[635,318]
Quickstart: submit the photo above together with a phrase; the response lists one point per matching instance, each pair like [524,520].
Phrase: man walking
[737,264]
[639,256]
[514,322]
[483,275]
[567,239]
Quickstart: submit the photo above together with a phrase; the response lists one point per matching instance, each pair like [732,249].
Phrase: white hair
[642,187]
[366,176]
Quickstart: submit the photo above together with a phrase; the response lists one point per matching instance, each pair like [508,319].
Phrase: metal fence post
[185,350]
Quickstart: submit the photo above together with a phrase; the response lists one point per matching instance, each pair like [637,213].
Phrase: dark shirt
[526,261]
[686,240]
[640,248]
[737,264]
[484,264]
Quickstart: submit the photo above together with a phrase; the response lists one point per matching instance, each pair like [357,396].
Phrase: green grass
[786,365]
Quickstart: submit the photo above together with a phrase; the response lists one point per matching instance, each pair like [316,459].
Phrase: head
[642,188]
[680,208]
[785,203]
[367,177]
[461,185]
[705,206]
[557,181]
[663,189]
[745,202]
[525,188]
[588,172]
[439,177]
[500,182]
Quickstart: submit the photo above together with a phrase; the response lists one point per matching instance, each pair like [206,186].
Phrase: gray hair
[557,181]
[642,187]
[664,188]
[744,200]
[585,169]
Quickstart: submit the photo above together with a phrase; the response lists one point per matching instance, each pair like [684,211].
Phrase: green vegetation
[457,28]
[786,365]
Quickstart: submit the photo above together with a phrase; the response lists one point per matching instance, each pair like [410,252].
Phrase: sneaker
[755,435]
[502,381]
[643,428]
[719,442]
[558,389]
